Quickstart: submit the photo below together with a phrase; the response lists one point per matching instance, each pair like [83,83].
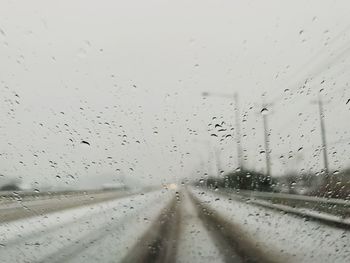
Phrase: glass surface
[174,131]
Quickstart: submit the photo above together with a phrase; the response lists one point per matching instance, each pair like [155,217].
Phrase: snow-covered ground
[289,238]
[107,229]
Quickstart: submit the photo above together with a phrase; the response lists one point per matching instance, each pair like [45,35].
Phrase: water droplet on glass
[264,111]
[2,32]
[85,143]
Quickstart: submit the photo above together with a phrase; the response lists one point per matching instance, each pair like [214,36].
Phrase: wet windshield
[174,131]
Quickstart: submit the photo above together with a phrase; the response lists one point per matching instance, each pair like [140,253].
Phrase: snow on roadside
[292,238]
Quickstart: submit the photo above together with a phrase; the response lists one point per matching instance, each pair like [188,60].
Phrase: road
[183,225]
[19,206]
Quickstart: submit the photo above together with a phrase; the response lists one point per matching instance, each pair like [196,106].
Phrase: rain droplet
[264,111]
[85,142]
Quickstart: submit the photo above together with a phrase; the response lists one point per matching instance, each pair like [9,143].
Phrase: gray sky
[127,77]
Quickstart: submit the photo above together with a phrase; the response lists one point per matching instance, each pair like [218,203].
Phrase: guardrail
[304,198]
[330,211]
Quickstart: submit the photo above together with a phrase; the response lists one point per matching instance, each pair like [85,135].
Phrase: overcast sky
[127,77]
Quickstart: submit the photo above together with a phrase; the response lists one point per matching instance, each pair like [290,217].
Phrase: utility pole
[238,133]
[323,136]
[266,140]
[218,162]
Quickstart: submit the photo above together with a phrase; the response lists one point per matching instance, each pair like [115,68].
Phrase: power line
[319,53]
[314,74]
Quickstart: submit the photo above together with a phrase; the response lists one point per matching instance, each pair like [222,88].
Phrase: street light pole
[323,136]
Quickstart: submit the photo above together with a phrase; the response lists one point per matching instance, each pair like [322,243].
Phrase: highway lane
[195,241]
[16,208]
[178,235]
[62,236]
[190,225]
